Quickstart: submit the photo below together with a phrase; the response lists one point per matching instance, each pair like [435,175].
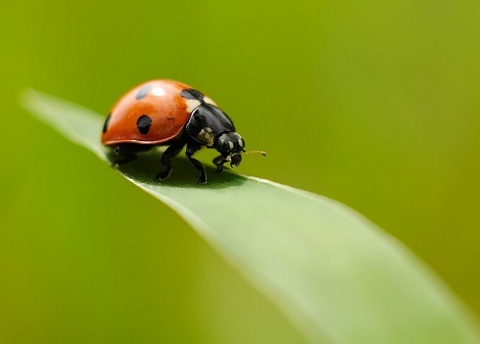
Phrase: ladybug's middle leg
[166,160]
[191,149]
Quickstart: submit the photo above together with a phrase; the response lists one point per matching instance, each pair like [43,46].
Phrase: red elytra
[161,100]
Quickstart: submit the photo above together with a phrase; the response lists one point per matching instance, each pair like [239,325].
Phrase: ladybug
[171,113]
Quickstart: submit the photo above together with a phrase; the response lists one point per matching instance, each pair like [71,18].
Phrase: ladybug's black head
[231,146]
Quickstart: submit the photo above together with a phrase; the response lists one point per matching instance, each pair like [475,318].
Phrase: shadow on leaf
[184,175]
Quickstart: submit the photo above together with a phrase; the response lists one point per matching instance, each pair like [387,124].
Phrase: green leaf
[336,276]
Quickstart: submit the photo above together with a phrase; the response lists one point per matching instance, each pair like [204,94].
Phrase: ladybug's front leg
[219,161]
[191,149]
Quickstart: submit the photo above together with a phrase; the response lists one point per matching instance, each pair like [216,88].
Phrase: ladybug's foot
[118,163]
[164,175]
[219,161]
[203,179]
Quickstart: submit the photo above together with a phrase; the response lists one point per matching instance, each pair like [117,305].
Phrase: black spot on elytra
[170,118]
[105,125]
[190,93]
[142,93]
[143,124]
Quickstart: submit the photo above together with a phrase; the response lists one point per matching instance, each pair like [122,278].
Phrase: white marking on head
[240,142]
[158,91]
[192,104]
[230,144]
[209,100]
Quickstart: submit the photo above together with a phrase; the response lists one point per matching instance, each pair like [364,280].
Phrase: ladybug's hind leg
[166,160]
[127,153]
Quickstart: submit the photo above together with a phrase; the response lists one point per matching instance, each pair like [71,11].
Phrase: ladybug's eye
[224,147]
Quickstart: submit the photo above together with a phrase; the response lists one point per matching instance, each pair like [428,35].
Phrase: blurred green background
[375,104]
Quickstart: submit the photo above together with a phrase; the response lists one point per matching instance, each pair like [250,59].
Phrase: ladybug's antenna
[255,152]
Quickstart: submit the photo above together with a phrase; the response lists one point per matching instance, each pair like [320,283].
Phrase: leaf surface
[336,276]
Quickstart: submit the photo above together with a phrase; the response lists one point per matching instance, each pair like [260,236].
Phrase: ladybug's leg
[166,160]
[219,161]
[126,154]
[191,149]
